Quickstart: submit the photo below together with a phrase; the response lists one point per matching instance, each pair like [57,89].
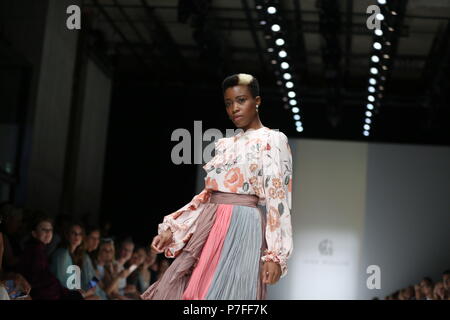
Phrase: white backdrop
[351,202]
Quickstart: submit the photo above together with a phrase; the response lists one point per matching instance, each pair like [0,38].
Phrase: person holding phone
[108,271]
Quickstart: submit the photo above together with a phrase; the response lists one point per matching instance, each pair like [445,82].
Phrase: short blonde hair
[241,79]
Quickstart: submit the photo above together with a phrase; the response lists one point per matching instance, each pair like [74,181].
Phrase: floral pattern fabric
[256,162]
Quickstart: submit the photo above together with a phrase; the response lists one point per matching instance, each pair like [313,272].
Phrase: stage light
[284,65]
[371,98]
[282,54]
[367,127]
[386,56]
[262,22]
[291,94]
[273,61]
[270,49]
[368,120]
[372,81]
[375,59]
[381,1]
[259,7]
[292,102]
[298,123]
[368,114]
[271,10]
[369,106]
[384,67]
[279,42]
[391,29]
[295,109]
[378,32]
[371,89]
[393,13]
[366,133]
[289,84]
[373,70]
[377,45]
[379,16]
[296,117]
[287,76]
[275,28]
[299,129]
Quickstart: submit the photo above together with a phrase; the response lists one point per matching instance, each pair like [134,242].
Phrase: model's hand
[271,272]
[161,241]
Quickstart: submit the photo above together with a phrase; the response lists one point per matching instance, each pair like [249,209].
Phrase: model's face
[240,105]
[43,232]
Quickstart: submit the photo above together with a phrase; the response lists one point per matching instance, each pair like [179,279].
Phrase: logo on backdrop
[326,247]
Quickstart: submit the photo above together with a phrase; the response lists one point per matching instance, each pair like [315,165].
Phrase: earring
[257,106]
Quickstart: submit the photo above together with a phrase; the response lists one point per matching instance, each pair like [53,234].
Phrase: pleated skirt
[222,259]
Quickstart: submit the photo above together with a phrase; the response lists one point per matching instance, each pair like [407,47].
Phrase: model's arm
[182,223]
[277,186]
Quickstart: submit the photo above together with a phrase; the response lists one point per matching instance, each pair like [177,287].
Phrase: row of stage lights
[269,20]
[379,63]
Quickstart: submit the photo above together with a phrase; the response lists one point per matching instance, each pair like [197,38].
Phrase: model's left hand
[271,272]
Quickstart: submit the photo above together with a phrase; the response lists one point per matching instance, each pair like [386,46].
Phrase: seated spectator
[11,228]
[70,253]
[439,291]
[406,293]
[418,295]
[125,252]
[136,283]
[34,265]
[88,273]
[62,223]
[108,272]
[92,241]
[147,273]
[426,285]
[446,283]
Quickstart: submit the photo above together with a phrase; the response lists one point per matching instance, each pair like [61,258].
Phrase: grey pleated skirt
[222,260]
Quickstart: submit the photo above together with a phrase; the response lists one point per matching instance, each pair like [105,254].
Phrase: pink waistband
[248,200]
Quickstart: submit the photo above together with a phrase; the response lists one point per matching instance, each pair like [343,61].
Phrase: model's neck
[256,124]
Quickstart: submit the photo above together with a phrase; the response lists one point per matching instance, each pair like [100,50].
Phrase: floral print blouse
[256,162]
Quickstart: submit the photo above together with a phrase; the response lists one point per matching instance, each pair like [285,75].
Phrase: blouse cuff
[277,258]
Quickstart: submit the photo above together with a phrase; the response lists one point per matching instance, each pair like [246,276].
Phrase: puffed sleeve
[182,222]
[277,188]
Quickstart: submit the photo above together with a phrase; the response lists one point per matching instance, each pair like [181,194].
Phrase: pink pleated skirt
[222,259]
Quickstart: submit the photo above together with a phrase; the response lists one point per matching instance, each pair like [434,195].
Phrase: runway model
[225,246]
